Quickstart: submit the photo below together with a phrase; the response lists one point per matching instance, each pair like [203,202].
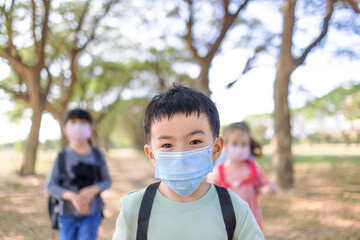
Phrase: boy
[182,129]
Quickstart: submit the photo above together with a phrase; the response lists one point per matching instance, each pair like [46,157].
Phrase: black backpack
[54,203]
[227,210]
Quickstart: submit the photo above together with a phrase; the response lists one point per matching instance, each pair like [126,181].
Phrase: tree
[211,47]
[34,58]
[287,63]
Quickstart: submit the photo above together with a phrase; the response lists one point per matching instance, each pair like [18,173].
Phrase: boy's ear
[150,154]
[217,149]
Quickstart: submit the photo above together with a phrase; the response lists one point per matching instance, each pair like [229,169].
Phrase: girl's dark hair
[78,113]
[254,146]
[180,100]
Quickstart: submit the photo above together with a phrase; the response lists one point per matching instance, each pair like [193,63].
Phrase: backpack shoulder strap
[145,211]
[227,210]
[61,165]
[97,154]
[98,162]
[254,174]
[222,181]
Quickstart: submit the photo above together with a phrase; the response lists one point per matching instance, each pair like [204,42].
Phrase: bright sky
[252,94]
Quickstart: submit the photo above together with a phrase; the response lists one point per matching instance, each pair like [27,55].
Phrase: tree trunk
[63,141]
[203,80]
[29,160]
[282,158]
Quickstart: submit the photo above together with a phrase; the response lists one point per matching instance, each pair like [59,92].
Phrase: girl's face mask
[77,131]
[238,154]
[183,171]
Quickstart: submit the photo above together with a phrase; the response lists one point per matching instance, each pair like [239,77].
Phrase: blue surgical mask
[183,171]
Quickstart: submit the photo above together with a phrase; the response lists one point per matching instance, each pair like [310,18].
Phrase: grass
[324,203]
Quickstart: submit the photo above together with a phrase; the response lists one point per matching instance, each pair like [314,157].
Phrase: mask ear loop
[155,155]
[213,144]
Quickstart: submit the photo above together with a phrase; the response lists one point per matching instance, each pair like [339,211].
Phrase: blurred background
[291,69]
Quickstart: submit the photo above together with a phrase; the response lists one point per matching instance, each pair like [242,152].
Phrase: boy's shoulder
[130,203]
[240,206]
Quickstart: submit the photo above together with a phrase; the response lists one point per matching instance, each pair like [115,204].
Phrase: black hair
[180,100]
[78,113]
[254,146]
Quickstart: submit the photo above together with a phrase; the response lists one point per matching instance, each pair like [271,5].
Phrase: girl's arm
[267,187]
[105,182]
[52,186]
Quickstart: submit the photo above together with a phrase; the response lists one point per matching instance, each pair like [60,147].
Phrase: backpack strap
[98,162]
[61,166]
[97,154]
[145,211]
[222,176]
[254,176]
[227,210]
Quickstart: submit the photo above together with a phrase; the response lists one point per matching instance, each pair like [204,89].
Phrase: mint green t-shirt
[201,219]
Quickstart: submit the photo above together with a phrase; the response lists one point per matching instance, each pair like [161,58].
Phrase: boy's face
[182,133]
[237,138]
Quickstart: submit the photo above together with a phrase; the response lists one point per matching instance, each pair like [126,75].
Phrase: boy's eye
[194,142]
[167,145]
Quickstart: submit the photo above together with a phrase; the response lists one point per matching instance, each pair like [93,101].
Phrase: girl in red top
[239,172]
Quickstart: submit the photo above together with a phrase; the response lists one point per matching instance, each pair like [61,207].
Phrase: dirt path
[129,172]
[324,205]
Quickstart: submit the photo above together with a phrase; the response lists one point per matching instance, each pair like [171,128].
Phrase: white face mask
[183,171]
[238,154]
[78,131]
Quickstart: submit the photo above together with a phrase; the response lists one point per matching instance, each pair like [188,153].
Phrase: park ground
[324,204]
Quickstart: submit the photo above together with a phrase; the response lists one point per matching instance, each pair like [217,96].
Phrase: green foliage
[19,146]
[330,104]
[351,106]
[129,116]
[324,137]
[17,187]
[260,124]
[17,113]
[49,145]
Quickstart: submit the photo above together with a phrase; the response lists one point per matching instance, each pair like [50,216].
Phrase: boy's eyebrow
[188,135]
[196,132]
[164,137]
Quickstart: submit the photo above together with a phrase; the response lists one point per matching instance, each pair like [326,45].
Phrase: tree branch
[50,108]
[329,11]
[33,7]
[49,82]
[109,108]
[189,35]
[70,89]
[354,5]
[18,95]
[16,63]
[44,34]
[82,17]
[96,23]
[228,20]
[249,63]
[9,26]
